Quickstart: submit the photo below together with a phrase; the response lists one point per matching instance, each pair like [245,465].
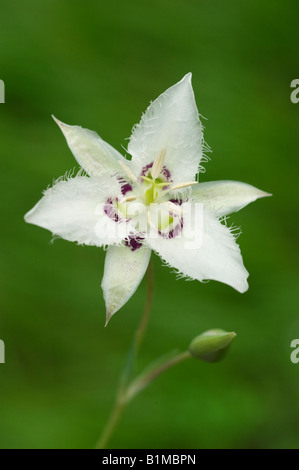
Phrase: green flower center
[152,189]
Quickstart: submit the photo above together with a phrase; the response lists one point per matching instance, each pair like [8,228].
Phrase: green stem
[110,425]
[126,374]
[139,333]
[147,309]
[144,380]
[132,390]
[126,390]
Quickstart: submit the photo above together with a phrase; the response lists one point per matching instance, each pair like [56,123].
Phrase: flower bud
[212,345]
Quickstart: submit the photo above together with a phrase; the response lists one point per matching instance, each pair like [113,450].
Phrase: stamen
[158,164]
[128,199]
[159,185]
[128,171]
[177,186]
[183,185]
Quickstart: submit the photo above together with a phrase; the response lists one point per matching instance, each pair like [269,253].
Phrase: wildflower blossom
[112,204]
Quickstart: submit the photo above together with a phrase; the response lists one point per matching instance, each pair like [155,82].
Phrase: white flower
[111,205]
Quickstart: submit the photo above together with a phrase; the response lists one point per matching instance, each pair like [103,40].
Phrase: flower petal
[74,210]
[123,272]
[171,122]
[225,197]
[92,153]
[214,256]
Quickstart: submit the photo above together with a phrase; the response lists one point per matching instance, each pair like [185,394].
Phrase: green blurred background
[98,64]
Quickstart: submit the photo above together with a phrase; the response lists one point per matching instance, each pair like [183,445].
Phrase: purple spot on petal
[174,232]
[125,186]
[178,202]
[146,169]
[165,172]
[134,242]
[110,211]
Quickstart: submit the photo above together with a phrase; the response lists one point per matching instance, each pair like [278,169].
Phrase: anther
[183,185]
[158,164]
[128,199]
[128,171]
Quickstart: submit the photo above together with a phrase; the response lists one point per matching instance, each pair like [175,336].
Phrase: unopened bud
[212,345]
